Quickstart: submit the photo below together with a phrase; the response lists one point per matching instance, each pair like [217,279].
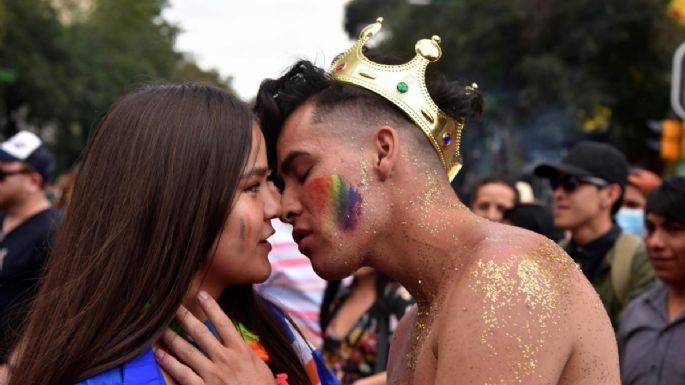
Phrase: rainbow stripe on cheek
[244,230]
[337,199]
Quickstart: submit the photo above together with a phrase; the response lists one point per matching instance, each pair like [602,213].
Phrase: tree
[551,71]
[72,62]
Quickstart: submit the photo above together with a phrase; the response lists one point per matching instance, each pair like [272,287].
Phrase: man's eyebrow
[288,162]
[257,171]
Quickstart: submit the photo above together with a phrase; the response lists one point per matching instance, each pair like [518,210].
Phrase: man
[491,197]
[588,188]
[652,332]
[28,224]
[631,216]
[366,185]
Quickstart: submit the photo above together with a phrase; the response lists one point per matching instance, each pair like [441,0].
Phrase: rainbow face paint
[244,229]
[339,202]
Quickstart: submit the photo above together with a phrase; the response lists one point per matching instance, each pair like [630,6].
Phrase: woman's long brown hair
[155,187]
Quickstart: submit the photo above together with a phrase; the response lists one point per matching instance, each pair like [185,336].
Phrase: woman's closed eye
[254,187]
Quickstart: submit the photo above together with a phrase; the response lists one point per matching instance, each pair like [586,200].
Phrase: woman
[171,199]
[358,322]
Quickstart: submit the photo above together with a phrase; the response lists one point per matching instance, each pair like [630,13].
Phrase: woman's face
[239,254]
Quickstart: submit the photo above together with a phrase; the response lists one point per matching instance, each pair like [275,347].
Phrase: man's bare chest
[414,359]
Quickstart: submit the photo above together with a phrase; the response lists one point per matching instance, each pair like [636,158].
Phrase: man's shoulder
[527,278]
[636,307]
[42,223]
[528,306]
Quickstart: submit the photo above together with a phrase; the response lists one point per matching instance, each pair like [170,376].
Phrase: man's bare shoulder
[520,314]
[401,342]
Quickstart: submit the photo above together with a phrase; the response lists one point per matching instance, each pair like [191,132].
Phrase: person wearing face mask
[631,216]
[589,185]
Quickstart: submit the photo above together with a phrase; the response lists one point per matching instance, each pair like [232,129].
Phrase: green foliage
[551,70]
[73,62]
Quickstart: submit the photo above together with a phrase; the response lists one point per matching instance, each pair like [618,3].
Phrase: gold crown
[405,86]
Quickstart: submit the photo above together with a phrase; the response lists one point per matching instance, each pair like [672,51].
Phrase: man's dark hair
[668,200]
[534,217]
[492,179]
[278,98]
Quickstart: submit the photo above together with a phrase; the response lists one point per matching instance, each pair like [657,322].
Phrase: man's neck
[676,300]
[428,248]
[592,230]
[16,214]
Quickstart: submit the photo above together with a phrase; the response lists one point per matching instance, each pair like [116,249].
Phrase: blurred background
[552,72]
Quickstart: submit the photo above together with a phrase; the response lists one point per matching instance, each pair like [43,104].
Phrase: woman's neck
[191,302]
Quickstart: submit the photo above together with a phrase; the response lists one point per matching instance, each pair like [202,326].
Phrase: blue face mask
[632,221]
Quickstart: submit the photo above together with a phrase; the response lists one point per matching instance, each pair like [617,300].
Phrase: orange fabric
[259,350]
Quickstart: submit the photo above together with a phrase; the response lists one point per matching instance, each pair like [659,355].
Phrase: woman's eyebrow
[257,171]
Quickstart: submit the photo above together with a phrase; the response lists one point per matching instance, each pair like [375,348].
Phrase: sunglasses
[570,183]
[4,174]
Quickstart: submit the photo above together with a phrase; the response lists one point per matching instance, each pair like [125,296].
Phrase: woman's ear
[386,145]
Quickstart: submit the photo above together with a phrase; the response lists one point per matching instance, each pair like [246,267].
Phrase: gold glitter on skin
[539,280]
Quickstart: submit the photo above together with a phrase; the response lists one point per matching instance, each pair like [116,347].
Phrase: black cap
[594,159]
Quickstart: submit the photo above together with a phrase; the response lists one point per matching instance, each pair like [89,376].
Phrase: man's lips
[300,234]
[660,260]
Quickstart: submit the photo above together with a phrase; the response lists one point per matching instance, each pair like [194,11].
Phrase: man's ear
[614,191]
[36,181]
[386,146]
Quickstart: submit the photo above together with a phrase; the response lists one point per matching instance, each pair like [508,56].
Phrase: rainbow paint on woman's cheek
[245,230]
[338,201]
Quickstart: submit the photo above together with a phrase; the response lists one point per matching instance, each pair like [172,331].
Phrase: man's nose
[272,203]
[291,207]
[493,214]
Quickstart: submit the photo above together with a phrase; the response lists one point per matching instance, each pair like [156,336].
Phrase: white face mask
[632,221]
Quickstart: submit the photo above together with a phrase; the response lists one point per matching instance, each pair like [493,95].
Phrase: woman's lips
[265,244]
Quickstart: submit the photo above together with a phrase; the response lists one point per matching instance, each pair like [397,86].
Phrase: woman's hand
[3,374]
[228,361]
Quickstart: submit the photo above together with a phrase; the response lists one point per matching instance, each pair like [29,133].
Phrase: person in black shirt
[28,224]
[588,186]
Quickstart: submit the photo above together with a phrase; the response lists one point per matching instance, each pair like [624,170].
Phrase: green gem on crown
[402,87]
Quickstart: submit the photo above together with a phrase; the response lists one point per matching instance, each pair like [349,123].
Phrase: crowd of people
[315,239]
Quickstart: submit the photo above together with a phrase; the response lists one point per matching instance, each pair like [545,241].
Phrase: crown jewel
[405,86]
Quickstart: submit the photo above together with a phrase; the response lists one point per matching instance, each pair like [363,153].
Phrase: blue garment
[141,370]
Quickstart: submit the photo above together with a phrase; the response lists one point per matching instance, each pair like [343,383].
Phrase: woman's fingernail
[202,295]
[159,353]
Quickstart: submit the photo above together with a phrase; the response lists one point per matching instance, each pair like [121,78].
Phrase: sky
[256,39]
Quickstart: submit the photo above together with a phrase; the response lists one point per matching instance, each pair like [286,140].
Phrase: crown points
[371,29]
[436,39]
[429,49]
